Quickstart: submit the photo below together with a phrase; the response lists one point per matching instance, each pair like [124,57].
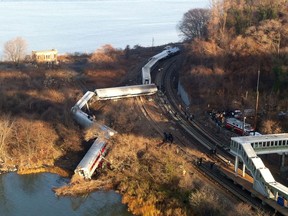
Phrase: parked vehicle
[238,126]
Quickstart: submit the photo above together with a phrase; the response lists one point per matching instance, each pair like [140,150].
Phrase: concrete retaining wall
[183,94]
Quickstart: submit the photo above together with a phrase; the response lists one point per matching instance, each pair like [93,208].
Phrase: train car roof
[261,138]
[125,91]
[161,55]
[92,153]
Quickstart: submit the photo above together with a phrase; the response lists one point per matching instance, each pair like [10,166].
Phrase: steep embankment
[38,134]
[222,63]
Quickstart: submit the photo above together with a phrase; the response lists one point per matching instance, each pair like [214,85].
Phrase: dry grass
[40,109]
[40,99]
[36,139]
[153,179]
[104,78]
[149,177]
[270,126]
[55,170]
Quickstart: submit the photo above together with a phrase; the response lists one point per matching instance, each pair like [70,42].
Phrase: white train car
[92,159]
[146,76]
[125,91]
[146,70]
[84,100]
[172,50]
[87,121]
[81,117]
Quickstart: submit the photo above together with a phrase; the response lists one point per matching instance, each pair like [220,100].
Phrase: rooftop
[262,138]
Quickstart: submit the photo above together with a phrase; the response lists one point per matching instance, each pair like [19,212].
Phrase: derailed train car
[87,121]
[97,151]
[125,91]
[92,159]
[146,70]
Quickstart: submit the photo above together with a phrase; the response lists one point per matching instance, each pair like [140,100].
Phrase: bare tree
[6,126]
[15,49]
[194,24]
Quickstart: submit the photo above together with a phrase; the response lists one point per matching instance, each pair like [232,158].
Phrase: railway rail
[189,128]
[169,104]
[214,175]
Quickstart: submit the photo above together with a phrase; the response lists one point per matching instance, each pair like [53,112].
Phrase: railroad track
[213,175]
[191,130]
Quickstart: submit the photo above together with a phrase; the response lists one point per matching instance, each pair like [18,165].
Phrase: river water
[32,195]
[83,26]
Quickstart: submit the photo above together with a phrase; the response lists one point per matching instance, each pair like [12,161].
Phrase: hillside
[36,125]
[222,63]
[39,135]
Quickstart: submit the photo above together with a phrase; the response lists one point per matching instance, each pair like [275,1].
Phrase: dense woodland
[227,45]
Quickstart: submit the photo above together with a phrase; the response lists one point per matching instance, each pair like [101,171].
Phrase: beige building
[45,56]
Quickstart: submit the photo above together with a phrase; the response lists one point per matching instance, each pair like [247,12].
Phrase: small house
[45,56]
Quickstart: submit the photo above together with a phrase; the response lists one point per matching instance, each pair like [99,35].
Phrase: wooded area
[227,49]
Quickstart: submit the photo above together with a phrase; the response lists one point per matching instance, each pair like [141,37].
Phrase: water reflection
[32,195]
[4,202]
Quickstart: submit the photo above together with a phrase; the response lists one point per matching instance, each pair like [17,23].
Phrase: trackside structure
[247,149]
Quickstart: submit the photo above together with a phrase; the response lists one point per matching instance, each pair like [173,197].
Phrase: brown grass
[55,170]
[153,179]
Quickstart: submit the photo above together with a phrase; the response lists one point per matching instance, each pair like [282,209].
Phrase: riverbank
[154,178]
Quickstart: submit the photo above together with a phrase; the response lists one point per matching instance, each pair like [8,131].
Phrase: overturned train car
[125,91]
[92,159]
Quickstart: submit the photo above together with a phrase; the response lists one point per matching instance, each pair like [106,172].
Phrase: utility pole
[257,100]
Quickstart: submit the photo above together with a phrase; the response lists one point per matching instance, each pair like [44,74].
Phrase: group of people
[168,137]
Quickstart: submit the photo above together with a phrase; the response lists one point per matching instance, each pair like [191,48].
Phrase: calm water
[29,195]
[84,26]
